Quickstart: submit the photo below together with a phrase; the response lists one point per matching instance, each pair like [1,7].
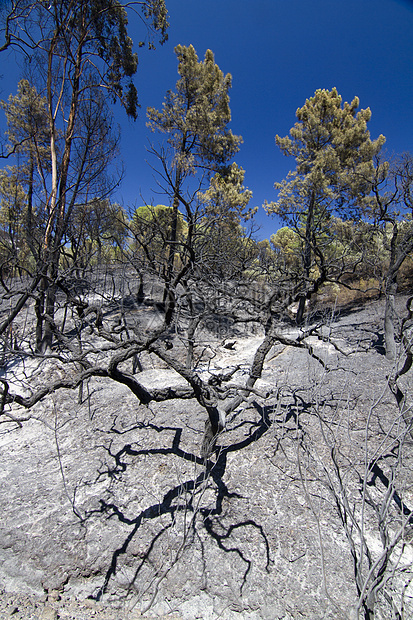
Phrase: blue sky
[278,52]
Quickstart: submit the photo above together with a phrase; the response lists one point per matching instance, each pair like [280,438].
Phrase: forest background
[278,54]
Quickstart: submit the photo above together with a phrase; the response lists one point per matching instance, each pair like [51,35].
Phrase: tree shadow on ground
[187,496]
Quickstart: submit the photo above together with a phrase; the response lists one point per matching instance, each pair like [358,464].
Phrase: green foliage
[79,49]
[155,12]
[221,243]
[12,206]
[108,35]
[196,115]
[151,227]
[195,120]
[333,178]
[21,185]
[90,34]
[28,128]
[95,230]
[334,156]
[13,200]
[226,198]
[287,243]
[159,220]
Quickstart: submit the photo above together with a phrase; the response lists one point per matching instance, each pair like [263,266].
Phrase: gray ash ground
[109,512]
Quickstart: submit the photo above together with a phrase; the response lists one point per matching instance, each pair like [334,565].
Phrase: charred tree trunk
[390,319]
[306,260]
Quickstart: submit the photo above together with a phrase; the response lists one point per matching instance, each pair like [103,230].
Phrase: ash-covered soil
[109,512]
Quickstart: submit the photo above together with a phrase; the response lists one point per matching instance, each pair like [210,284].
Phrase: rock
[48,613]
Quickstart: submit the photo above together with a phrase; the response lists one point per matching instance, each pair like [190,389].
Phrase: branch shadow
[212,472]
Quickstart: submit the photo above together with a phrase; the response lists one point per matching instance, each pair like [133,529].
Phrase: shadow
[127,450]
[377,473]
[379,344]
[190,498]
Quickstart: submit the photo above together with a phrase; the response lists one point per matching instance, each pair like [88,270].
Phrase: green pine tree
[335,165]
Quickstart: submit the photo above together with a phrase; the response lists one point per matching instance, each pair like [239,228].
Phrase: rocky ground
[109,512]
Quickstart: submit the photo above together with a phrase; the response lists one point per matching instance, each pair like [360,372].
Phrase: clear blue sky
[278,52]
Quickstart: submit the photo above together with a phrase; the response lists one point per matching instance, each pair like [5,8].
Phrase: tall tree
[12,204]
[221,240]
[391,208]
[76,47]
[334,155]
[195,118]
[29,139]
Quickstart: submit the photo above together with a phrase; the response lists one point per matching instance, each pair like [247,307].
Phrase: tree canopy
[74,50]
[334,169]
[195,120]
